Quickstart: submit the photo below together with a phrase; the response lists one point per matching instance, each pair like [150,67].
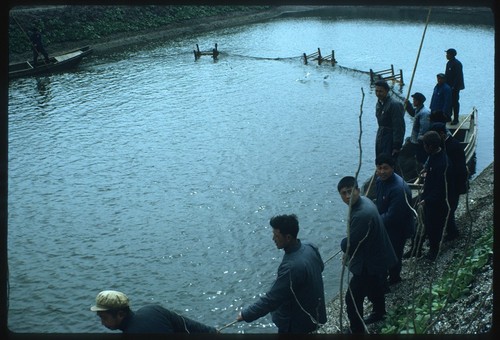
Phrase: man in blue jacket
[114,310]
[441,101]
[368,256]
[394,205]
[296,300]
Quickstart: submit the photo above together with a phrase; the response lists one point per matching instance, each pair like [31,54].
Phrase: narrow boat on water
[465,132]
[57,63]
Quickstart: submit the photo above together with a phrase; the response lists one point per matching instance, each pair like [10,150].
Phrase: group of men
[445,100]
[379,230]
[439,155]
[376,234]
[444,107]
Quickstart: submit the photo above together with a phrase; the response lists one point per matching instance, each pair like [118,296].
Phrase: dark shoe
[394,280]
[372,318]
[454,122]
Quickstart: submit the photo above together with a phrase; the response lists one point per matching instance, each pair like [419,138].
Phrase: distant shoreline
[473,15]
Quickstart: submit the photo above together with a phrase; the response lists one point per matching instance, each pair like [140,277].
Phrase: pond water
[147,172]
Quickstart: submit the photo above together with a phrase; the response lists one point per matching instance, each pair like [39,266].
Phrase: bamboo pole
[418,56]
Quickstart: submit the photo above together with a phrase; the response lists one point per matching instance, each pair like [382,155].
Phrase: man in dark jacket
[37,46]
[115,313]
[394,205]
[296,300]
[434,198]
[368,256]
[390,119]
[458,175]
[455,79]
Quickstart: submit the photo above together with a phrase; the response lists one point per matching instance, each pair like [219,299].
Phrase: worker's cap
[419,96]
[109,299]
[438,127]
[451,51]
[440,75]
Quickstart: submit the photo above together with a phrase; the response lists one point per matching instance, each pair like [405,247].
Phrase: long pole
[331,257]
[418,56]
[226,326]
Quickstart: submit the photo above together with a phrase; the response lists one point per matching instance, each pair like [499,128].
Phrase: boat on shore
[58,63]
[408,168]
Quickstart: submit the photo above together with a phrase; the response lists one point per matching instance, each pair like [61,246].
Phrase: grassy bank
[64,24]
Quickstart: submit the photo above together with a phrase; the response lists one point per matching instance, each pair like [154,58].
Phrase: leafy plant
[451,286]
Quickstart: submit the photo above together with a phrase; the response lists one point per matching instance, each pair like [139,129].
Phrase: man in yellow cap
[114,310]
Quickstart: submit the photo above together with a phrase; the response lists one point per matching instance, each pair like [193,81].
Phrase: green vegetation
[417,317]
[61,24]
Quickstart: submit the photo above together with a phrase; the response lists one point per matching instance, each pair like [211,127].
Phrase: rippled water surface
[147,172]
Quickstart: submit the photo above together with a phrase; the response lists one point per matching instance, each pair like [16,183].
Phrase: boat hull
[59,63]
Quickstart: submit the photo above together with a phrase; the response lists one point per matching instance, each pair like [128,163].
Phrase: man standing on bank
[393,203]
[368,256]
[433,198]
[390,118]
[455,79]
[114,310]
[296,300]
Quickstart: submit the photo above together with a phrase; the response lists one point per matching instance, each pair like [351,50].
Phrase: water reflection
[44,89]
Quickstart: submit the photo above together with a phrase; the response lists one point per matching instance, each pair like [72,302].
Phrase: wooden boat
[465,132]
[57,63]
